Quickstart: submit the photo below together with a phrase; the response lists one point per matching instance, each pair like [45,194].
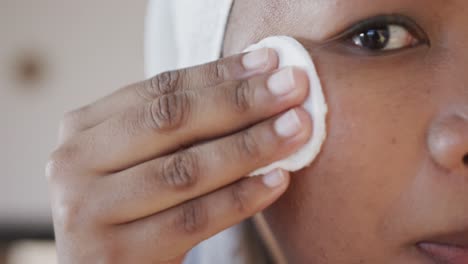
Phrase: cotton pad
[292,53]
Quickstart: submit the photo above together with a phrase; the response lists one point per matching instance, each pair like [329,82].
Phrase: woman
[145,174]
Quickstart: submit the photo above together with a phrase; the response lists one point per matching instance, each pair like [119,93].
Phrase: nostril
[465,160]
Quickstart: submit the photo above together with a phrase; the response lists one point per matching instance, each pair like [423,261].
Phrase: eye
[390,37]
[381,34]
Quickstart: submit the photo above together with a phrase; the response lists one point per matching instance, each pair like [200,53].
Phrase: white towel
[182,33]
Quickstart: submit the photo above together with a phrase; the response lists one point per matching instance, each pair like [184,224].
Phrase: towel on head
[183,33]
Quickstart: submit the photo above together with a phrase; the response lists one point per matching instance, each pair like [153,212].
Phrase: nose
[448,143]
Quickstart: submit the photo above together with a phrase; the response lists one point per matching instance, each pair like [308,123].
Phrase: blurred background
[55,55]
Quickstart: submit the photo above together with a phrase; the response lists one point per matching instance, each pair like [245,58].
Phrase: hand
[143,175]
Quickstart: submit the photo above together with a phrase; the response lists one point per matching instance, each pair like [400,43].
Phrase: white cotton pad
[292,53]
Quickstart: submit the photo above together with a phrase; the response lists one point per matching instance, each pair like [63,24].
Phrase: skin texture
[144,174]
[391,173]
[148,172]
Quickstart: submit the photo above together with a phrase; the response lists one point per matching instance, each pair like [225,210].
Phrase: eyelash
[347,38]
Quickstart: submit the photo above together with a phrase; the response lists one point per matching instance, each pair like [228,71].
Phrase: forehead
[318,20]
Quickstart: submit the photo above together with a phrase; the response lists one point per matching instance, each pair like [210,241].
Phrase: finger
[179,120]
[180,228]
[208,75]
[165,182]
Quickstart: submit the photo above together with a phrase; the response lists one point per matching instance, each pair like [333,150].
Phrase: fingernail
[256,60]
[281,82]
[274,179]
[288,125]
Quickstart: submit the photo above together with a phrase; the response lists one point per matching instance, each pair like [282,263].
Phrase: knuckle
[221,70]
[67,211]
[181,171]
[69,218]
[163,83]
[240,198]
[192,217]
[53,169]
[242,96]
[71,122]
[248,146]
[169,111]
[67,195]
[60,161]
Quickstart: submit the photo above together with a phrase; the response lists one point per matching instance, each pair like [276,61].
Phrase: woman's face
[394,169]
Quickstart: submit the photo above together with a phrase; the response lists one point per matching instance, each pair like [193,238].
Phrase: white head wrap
[182,33]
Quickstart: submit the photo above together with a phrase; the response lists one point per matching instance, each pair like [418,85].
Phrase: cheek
[376,132]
